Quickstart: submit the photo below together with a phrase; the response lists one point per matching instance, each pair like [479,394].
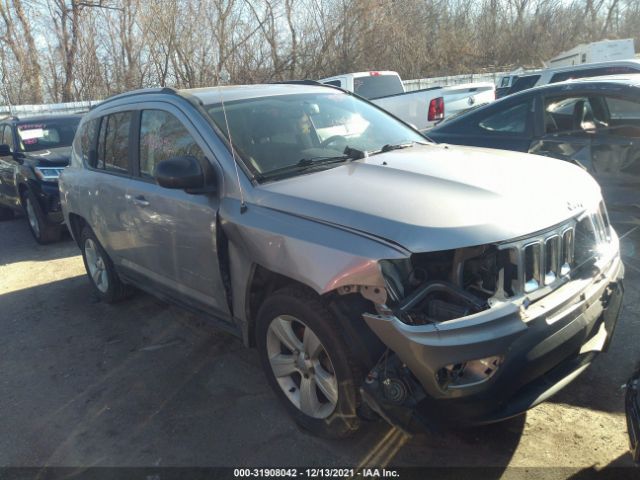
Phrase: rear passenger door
[176,232]
[111,169]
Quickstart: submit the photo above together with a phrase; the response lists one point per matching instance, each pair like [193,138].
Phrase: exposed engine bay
[434,287]
[440,286]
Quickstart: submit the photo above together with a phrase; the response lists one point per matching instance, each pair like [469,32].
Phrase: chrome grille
[543,259]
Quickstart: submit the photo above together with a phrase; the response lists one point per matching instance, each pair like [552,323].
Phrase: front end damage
[479,334]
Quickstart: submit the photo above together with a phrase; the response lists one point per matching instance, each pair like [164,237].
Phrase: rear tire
[42,232]
[100,269]
[317,379]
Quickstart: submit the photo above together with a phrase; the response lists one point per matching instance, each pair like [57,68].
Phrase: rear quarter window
[85,141]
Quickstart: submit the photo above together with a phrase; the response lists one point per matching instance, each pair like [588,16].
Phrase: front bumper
[543,347]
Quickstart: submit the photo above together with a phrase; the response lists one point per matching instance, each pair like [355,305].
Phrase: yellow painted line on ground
[384,451]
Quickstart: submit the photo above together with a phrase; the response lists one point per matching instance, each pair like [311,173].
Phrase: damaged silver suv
[374,271]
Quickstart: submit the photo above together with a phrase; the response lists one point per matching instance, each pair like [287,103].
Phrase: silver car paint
[433,197]
[331,228]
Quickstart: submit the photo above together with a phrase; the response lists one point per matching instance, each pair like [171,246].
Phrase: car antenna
[243,206]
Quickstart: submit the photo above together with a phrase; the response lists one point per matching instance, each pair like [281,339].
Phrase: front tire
[100,269]
[42,232]
[307,362]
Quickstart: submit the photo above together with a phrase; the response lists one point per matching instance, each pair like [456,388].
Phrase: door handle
[138,200]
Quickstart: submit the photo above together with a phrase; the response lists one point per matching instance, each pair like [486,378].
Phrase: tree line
[69,50]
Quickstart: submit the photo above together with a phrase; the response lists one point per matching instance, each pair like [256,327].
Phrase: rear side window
[512,120]
[523,83]
[162,136]
[376,86]
[113,143]
[335,83]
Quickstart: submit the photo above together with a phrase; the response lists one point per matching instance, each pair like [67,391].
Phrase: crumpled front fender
[322,256]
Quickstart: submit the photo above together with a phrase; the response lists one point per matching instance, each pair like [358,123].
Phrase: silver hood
[438,197]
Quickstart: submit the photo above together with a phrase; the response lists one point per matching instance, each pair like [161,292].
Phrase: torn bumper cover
[497,363]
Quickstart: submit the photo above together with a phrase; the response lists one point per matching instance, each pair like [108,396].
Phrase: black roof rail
[142,91]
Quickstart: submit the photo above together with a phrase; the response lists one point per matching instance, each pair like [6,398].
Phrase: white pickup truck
[421,108]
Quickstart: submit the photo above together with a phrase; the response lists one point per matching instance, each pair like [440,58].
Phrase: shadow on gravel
[144,383]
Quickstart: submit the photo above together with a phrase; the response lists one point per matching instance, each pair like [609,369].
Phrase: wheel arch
[346,309]
[76,224]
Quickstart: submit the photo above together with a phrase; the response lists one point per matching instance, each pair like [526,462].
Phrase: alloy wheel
[96,266]
[302,366]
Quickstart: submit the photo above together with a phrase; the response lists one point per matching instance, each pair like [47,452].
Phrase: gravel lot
[145,384]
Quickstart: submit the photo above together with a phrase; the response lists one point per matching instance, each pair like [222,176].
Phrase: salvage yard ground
[144,383]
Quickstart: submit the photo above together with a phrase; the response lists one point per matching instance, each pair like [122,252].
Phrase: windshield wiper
[305,164]
[398,146]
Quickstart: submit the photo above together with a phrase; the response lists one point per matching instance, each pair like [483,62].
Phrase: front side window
[275,132]
[512,120]
[162,136]
[564,114]
[41,135]
[113,142]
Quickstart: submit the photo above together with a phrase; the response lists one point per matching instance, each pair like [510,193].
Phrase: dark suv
[33,152]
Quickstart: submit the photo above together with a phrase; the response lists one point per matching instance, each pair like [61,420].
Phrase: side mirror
[183,173]
[5,150]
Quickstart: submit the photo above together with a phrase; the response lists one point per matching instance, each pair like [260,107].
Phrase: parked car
[518,82]
[369,268]
[632,408]
[594,123]
[33,152]
[421,108]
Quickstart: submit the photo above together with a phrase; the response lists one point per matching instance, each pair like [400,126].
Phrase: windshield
[271,133]
[40,135]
